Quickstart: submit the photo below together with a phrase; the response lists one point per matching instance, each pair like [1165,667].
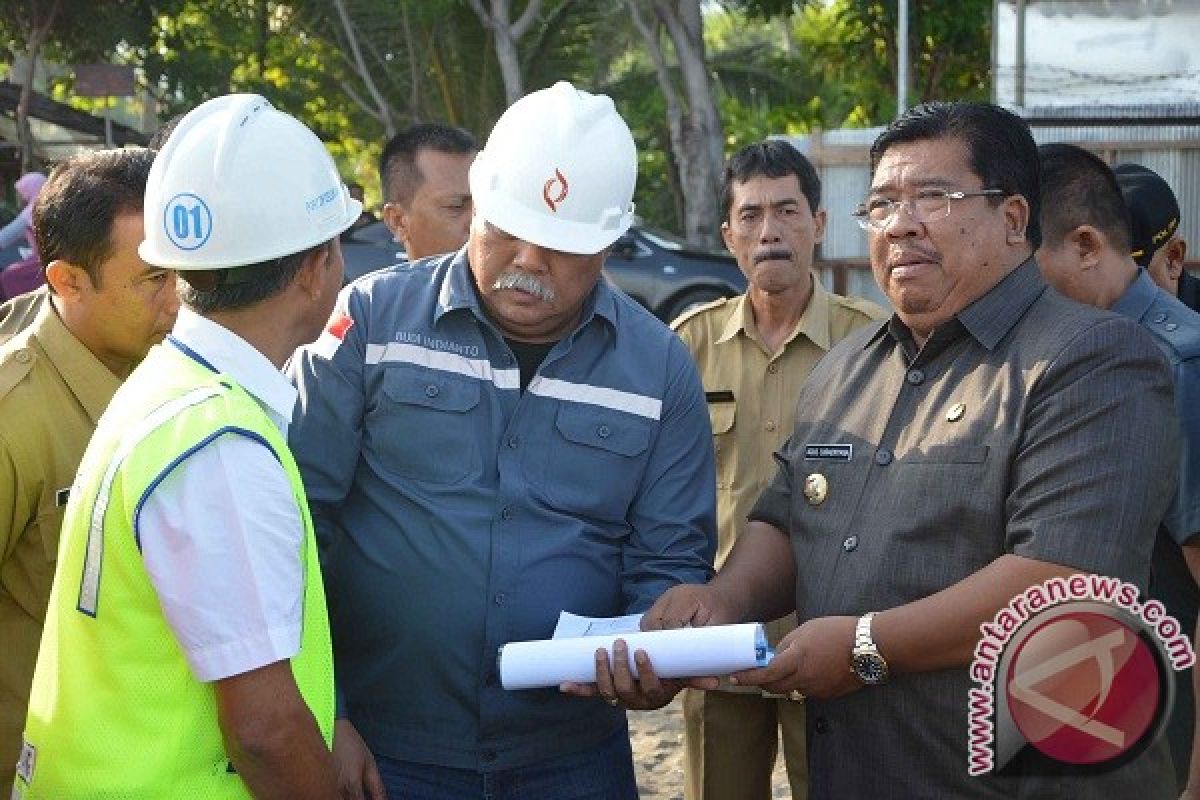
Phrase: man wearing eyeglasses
[984,439]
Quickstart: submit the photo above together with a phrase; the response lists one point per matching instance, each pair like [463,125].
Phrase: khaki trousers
[731,741]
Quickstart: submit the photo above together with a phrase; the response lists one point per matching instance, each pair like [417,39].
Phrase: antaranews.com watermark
[1077,667]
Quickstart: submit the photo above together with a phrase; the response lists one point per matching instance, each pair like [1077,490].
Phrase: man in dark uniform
[1156,243]
[1084,254]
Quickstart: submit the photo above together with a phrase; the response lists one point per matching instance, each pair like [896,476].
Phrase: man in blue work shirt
[1085,254]
[489,438]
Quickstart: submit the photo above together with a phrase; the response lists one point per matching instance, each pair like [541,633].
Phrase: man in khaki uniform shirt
[107,307]
[19,313]
[753,352]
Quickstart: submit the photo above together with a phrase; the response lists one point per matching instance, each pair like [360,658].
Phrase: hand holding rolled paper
[680,653]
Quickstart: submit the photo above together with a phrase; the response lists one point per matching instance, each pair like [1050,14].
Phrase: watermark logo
[1077,668]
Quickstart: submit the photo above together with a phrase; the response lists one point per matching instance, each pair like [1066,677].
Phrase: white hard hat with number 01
[558,170]
[239,183]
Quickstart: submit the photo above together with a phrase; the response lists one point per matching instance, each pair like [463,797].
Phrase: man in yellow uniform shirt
[753,352]
[106,308]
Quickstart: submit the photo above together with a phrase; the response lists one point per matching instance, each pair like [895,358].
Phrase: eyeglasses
[927,206]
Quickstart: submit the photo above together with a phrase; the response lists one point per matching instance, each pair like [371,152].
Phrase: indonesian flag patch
[331,338]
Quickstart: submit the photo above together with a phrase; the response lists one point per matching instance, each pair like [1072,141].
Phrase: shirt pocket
[723,416]
[595,460]
[422,431]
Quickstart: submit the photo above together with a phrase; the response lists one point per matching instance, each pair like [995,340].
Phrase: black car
[656,269]
[667,275]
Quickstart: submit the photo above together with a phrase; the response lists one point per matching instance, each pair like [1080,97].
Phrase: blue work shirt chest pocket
[422,432]
[593,464]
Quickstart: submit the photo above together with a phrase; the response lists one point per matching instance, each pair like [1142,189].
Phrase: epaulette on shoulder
[864,306]
[696,311]
[15,364]
[1182,333]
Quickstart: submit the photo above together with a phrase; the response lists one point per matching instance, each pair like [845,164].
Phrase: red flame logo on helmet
[548,190]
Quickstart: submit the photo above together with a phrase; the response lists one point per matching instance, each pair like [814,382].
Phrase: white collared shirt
[221,534]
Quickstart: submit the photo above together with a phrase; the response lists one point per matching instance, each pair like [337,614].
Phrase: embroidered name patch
[828,452]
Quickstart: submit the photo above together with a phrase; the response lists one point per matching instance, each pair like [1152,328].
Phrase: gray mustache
[525,283]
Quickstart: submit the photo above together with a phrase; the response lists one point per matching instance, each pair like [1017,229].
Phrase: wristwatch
[865,660]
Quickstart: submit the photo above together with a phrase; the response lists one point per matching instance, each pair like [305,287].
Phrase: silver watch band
[862,633]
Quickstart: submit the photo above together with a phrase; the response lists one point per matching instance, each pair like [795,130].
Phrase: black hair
[74,213]
[772,158]
[209,291]
[1078,188]
[398,173]
[1000,147]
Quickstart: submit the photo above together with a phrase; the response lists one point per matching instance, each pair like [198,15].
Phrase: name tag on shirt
[62,496]
[828,452]
[724,396]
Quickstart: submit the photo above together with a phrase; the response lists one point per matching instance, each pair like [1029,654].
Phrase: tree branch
[526,20]
[385,111]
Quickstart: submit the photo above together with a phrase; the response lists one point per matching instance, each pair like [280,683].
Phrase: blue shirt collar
[457,292]
[1138,297]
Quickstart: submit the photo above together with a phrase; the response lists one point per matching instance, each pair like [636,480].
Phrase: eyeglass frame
[862,213]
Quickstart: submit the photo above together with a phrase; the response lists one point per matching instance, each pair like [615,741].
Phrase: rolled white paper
[679,653]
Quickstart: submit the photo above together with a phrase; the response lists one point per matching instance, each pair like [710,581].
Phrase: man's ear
[1176,255]
[819,220]
[396,219]
[1088,244]
[1016,218]
[727,236]
[67,280]
[312,275]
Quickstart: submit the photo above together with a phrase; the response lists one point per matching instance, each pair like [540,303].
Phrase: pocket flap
[949,454]
[431,389]
[624,434]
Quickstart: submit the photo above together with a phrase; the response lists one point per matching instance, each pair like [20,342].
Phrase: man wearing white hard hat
[186,650]
[489,438]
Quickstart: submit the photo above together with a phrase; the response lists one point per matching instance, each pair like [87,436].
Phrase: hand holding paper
[680,653]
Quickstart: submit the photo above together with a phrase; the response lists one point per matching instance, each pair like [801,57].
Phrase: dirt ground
[657,738]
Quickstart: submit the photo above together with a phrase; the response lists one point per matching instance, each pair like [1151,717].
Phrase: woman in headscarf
[25,274]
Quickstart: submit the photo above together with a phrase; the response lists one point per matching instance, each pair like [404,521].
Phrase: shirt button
[489,679]
[507,359]
[431,390]
[1170,326]
[1160,317]
[770,425]
[603,432]
[489,756]
[821,725]
[883,457]
[506,513]
[23,356]
[772,368]
[916,377]
[499,598]
[513,442]
[850,544]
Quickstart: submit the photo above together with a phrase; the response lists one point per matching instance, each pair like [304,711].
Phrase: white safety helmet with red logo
[239,183]
[558,170]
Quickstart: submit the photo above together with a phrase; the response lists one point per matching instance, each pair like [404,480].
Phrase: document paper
[679,653]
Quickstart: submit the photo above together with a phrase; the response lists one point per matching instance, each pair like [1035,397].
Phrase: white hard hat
[558,171]
[239,183]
